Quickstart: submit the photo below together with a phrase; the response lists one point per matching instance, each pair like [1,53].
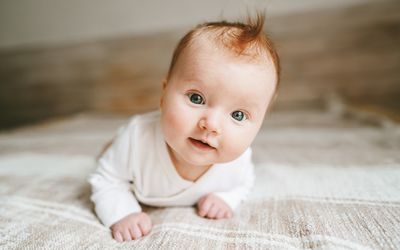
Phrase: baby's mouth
[200,144]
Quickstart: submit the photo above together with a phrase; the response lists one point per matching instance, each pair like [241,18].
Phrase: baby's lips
[205,141]
[209,143]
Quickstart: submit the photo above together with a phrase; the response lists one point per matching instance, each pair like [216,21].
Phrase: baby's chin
[199,161]
[193,158]
[202,160]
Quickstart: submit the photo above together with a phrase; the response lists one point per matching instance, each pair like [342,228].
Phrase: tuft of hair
[246,39]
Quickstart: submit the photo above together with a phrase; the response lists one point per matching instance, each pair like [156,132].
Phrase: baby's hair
[244,39]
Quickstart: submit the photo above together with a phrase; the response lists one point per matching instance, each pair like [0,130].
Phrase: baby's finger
[135,232]
[220,214]
[126,235]
[145,226]
[117,236]
[228,214]
[201,200]
[213,211]
[204,207]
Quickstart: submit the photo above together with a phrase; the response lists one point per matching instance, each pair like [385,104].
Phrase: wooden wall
[350,53]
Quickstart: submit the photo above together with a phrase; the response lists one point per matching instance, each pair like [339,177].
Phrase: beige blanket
[323,182]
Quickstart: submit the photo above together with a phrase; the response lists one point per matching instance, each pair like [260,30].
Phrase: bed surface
[325,180]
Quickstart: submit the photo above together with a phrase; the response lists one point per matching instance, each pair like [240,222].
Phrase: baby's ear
[164,85]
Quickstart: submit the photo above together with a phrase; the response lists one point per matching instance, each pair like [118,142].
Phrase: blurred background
[59,58]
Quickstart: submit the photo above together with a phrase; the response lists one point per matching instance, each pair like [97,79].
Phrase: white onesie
[137,167]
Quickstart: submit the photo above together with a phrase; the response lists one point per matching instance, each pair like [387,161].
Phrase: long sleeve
[238,194]
[110,183]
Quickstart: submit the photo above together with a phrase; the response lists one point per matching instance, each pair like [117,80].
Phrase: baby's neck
[192,173]
[185,170]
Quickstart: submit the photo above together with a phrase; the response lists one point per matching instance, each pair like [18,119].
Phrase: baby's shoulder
[145,119]
[139,124]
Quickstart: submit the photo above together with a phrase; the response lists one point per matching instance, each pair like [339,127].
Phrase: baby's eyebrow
[192,83]
[248,102]
[248,105]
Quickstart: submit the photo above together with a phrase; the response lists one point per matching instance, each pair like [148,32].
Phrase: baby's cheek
[236,145]
[170,126]
[230,151]
[175,122]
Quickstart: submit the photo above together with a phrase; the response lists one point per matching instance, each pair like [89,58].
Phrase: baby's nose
[210,123]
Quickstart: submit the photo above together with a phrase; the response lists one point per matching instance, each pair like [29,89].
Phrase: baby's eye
[196,98]
[238,115]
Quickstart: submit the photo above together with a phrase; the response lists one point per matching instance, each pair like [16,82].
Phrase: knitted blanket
[323,181]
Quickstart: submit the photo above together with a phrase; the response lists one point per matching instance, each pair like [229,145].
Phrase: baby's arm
[220,205]
[118,209]
[114,201]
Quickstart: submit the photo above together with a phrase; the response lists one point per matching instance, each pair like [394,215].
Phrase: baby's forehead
[203,59]
[210,44]
[204,54]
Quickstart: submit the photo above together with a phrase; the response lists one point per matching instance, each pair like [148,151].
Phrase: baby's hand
[131,227]
[213,207]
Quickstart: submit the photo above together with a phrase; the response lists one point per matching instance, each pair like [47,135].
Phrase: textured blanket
[324,181]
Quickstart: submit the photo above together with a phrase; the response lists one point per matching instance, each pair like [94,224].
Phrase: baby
[196,149]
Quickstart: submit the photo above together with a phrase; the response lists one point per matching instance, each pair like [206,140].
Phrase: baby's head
[221,81]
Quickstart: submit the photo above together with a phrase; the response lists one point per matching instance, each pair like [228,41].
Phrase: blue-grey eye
[196,98]
[238,115]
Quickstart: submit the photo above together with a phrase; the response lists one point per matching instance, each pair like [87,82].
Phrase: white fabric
[137,167]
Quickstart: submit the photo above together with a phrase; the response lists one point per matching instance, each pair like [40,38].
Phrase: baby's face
[214,104]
